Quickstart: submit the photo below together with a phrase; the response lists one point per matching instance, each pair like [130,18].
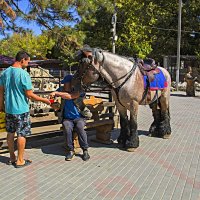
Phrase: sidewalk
[158,170]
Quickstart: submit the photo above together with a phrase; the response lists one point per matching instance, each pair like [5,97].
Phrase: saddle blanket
[158,83]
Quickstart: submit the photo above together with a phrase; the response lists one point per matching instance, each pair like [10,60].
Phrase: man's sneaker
[69,156]
[86,155]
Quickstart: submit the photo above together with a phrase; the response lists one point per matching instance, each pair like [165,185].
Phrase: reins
[120,86]
[129,75]
[82,76]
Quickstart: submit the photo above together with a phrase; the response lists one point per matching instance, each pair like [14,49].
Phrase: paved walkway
[159,170]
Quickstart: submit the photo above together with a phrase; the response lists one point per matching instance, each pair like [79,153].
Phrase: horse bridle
[89,65]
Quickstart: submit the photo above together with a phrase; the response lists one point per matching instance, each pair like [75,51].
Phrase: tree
[48,13]
[98,34]
[58,17]
[133,36]
[166,28]
[6,12]
[68,41]
[144,28]
[36,46]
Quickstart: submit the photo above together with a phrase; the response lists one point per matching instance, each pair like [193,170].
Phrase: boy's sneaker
[69,156]
[86,155]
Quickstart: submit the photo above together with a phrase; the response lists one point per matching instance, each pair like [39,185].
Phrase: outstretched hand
[47,101]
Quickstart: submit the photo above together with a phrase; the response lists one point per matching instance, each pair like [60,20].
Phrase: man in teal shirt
[15,90]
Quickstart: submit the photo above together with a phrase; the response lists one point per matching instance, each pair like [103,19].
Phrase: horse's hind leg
[164,127]
[154,128]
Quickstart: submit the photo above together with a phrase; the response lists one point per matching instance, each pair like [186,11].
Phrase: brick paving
[158,170]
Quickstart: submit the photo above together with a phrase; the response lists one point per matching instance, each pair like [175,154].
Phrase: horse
[125,78]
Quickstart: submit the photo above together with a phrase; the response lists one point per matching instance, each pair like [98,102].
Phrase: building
[169,62]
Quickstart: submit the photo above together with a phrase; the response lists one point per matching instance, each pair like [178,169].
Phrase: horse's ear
[78,55]
[99,56]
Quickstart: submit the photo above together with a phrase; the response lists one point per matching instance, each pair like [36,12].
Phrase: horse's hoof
[120,146]
[131,149]
[167,136]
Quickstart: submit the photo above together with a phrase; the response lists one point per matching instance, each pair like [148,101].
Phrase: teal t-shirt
[15,82]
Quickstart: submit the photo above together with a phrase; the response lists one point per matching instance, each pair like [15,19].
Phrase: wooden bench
[102,120]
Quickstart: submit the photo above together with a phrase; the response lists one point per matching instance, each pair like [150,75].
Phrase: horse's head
[90,61]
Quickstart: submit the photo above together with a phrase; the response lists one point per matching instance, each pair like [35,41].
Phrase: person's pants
[77,125]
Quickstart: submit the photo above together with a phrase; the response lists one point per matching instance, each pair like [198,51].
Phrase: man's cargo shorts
[19,123]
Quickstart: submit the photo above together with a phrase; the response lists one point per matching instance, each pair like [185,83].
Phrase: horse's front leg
[124,132]
[133,139]
[124,124]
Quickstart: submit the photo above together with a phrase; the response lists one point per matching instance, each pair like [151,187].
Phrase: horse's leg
[133,139]
[154,128]
[164,127]
[124,124]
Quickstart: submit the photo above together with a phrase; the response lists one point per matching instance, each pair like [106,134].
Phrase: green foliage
[133,36]
[36,46]
[68,41]
[145,28]
[98,34]
[56,16]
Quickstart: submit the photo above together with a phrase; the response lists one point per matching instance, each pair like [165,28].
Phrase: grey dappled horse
[128,90]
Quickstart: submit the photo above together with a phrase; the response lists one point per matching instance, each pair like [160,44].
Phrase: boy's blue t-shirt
[15,81]
[70,109]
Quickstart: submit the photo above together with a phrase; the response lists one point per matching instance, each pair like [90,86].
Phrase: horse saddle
[148,68]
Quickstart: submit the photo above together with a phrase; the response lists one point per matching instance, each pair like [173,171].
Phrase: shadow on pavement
[140,132]
[178,95]
[59,149]
[114,136]
[4,159]
[55,149]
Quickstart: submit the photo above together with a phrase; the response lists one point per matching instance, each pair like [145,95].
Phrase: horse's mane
[86,48]
[124,57]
